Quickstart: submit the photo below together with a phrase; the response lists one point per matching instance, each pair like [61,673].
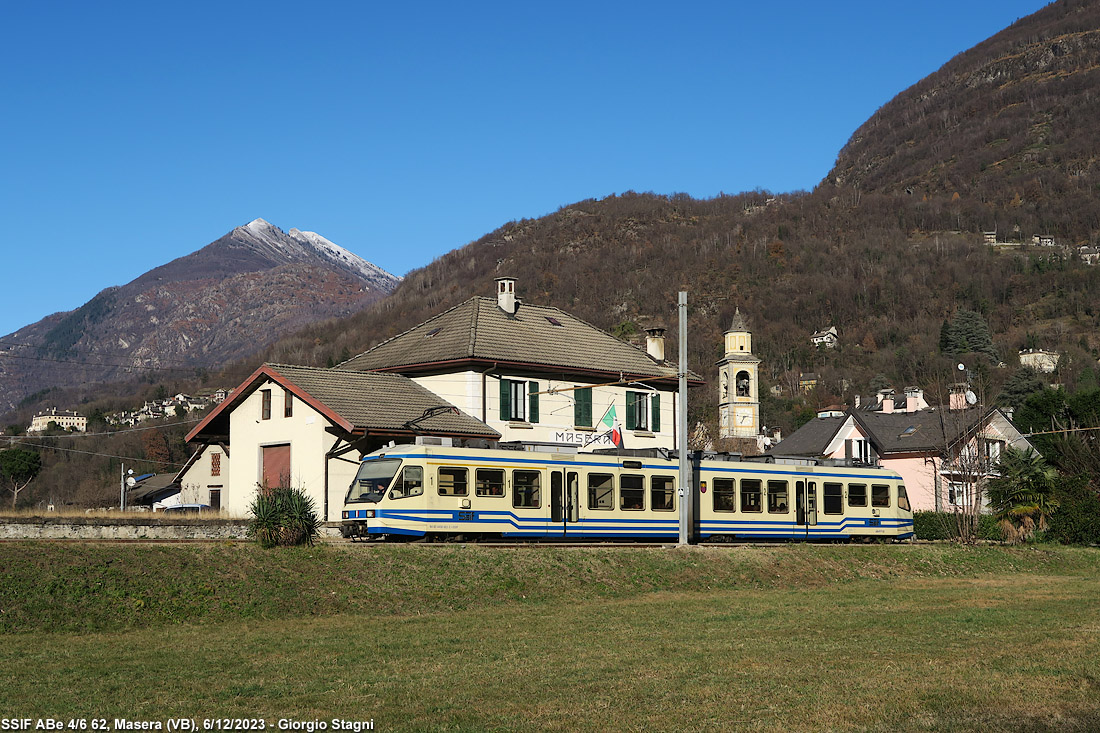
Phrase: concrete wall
[75,528]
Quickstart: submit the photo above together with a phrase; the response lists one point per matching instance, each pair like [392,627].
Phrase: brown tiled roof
[368,401]
[537,336]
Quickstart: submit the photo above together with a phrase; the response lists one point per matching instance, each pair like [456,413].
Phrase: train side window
[778,499]
[632,492]
[833,498]
[452,481]
[857,494]
[903,499]
[601,491]
[489,482]
[724,499]
[662,489]
[750,495]
[880,495]
[525,489]
[411,483]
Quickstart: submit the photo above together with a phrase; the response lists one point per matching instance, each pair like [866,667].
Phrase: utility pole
[685,492]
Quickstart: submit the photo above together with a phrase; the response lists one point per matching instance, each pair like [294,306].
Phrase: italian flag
[611,421]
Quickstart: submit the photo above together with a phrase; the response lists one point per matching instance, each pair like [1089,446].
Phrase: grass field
[470,639]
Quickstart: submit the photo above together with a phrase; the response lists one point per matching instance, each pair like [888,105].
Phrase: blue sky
[135,133]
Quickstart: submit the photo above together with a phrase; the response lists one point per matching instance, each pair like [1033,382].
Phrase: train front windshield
[373,479]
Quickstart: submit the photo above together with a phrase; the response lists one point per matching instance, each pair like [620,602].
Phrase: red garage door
[276,466]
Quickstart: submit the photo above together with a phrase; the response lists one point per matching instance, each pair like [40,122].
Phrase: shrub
[1077,521]
[941,526]
[283,516]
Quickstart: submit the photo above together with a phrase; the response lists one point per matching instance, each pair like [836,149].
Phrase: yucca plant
[283,516]
[1020,495]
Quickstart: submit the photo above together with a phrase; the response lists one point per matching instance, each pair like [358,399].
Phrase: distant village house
[64,419]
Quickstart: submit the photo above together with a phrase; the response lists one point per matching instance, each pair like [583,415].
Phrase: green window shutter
[532,402]
[582,407]
[631,416]
[655,414]
[505,400]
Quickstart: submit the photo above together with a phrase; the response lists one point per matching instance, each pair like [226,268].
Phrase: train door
[805,503]
[564,492]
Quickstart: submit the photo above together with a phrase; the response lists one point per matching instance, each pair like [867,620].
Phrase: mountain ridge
[204,309]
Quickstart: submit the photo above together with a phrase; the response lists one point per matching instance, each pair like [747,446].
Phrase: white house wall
[199,479]
[305,432]
[556,410]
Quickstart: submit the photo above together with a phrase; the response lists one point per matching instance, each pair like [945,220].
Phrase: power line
[102,455]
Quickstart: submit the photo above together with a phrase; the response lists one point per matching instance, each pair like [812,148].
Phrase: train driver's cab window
[601,491]
[489,482]
[372,480]
[880,495]
[662,489]
[452,481]
[903,499]
[857,494]
[778,498]
[832,496]
[525,488]
[631,492]
[724,497]
[750,495]
[411,483]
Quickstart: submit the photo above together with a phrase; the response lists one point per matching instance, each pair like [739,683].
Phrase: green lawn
[798,638]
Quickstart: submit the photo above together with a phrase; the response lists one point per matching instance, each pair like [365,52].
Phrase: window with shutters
[519,400]
[643,411]
[582,407]
[215,464]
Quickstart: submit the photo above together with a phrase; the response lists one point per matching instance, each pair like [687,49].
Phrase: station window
[833,498]
[452,481]
[880,495]
[632,492]
[411,483]
[778,498]
[662,489]
[525,488]
[750,495]
[857,494]
[601,491]
[265,404]
[489,482]
[724,499]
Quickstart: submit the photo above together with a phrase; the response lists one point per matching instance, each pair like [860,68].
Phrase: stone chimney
[506,295]
[655,342]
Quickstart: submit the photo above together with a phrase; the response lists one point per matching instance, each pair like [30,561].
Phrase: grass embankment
[429,638]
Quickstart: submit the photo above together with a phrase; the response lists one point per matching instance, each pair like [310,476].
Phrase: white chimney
[914,399]
[655,342]
[857,401]
[506,294]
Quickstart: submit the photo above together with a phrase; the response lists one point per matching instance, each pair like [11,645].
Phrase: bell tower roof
[739,323]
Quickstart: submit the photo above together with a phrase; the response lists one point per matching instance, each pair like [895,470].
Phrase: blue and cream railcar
[462,493]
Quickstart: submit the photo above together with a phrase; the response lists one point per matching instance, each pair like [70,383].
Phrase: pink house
[941,453]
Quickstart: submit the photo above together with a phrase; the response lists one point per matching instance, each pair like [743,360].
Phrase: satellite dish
[130,482]
[961,367]
[970,398]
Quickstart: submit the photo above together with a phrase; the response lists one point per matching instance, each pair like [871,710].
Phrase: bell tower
[738,383]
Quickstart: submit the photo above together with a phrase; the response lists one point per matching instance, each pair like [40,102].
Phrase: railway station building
[485,371]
